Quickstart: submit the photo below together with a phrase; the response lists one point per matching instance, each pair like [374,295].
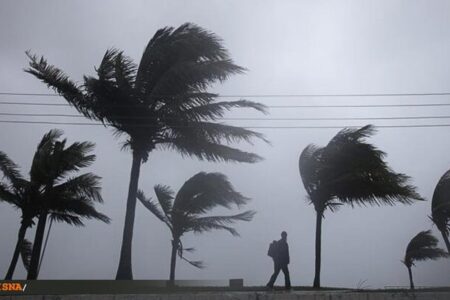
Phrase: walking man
[279,251]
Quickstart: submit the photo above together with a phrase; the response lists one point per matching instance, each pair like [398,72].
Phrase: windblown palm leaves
[422,247]
[54,190]
[161,103]
[350,171]
[184,212]
[440,207]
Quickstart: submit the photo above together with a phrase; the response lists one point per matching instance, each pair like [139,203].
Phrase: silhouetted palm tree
[349,171]
[422,247]
[63,196]
[162,103]
[440,207]
[46,193]
[185,211]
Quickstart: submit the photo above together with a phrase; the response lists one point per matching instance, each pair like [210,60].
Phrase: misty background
[288,47]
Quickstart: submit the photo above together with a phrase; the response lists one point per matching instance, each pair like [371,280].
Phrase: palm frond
[188,43]
[196,263]
[205,150]
[66,218]
[118,68]
[309,166]
[440,204]
[79,206]
[165,196]
[214,132]
[183,76]
[75,157]
[205,191]
[333,206]
[347,135]
[202,224]
[85,185]
[60,83]
[212,111]
[105,70]
[9,169]
[152,206]
[50,138]
[200,227]
[53,160]
[9,197]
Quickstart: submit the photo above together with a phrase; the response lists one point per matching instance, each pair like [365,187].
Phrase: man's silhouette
[281,261]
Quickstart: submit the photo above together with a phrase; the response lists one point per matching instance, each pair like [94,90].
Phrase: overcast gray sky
[288,47]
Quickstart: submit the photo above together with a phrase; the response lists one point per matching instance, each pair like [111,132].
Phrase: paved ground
[258,295]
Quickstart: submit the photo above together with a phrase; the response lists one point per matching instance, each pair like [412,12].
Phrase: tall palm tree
[162,103]
[422,247]
[184,212]
[70,201]
[64,195]
[349,171]
[440,207]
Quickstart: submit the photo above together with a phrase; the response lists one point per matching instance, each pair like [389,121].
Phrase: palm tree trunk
[411,283]
[447,243]
[45,245]
[173,260]
[124,270]
[318,249]
[37,245]
[15,258]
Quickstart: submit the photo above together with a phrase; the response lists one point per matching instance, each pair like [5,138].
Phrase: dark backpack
[272,249]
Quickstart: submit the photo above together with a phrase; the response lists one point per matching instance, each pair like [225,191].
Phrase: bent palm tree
[69,201]
[349,171]
[440,207]
[63,196]
[162,103]
[184,212]
[421,247]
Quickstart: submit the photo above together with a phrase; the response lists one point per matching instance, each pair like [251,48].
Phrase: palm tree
[64,196]
[422,247]
[68,201]
[349,171]
[18,192]
[184,212]
[440,207]
[162,103]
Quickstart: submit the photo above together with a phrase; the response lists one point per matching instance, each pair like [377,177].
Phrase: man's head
[284,235]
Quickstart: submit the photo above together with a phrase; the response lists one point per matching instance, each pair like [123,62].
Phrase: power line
[248,127]
[271,95]
[249,119]
[269,106]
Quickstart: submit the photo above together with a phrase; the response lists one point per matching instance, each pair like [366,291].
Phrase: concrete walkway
[294,295]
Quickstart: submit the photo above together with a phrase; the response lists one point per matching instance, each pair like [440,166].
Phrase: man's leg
[274,276]
[287,278]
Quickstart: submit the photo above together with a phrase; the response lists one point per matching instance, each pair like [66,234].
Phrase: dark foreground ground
[113,290]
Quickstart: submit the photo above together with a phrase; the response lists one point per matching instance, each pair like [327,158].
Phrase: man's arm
[287,252]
